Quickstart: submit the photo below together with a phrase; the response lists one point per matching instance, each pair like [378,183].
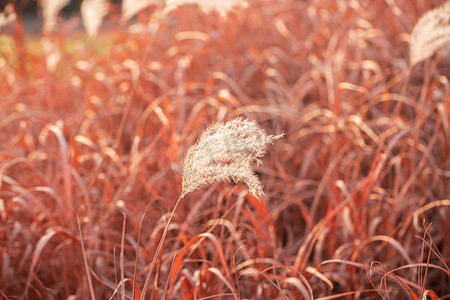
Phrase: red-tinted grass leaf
[51,232]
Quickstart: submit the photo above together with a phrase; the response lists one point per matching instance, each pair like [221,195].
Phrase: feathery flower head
[431,33]
[226,151]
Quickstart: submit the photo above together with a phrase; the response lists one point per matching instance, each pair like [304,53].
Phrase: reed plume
[430,33]
[222,7]
[92,13]
[132,7]
[226,151]
[7,16]
[223,151]
[50,11]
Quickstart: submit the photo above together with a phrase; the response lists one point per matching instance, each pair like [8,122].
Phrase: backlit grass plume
[223,7]
[226,151]
[223,151]
[430,33]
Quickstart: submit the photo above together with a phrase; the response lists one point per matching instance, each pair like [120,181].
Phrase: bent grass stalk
[223,151]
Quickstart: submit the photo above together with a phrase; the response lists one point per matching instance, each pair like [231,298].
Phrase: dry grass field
[94,130]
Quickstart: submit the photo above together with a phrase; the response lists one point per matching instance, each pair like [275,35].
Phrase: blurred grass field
[94,130]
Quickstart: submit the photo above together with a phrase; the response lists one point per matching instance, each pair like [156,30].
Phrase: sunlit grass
[94,133]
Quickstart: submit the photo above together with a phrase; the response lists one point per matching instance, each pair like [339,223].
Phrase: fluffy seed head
[132,7]
[223,7]
[92,13]
[226,151]
[430,33]
[50,11]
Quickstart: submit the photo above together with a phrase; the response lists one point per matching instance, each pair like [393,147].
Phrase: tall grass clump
[103,197]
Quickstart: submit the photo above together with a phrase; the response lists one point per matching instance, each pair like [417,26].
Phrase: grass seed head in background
[206,6]
[92,13]
[132,7]
[226,151]
[430,33]
[7,16]
[50,11]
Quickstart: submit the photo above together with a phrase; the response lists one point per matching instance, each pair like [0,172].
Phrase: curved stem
[159,248]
